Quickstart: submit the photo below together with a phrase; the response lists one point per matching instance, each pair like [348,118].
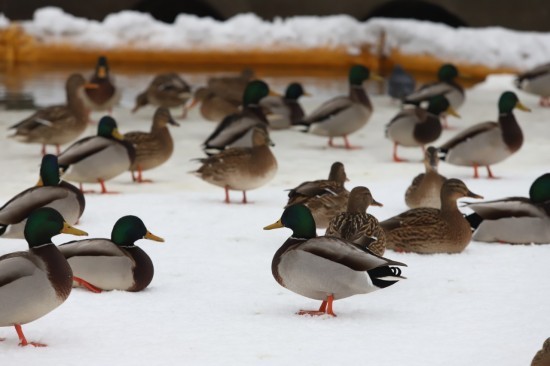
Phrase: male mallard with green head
[487,143]
[514,220]
[35,282]
[106,95]
[115,264]
[341,116]
[96,159]
[50,191]
[284,111]
[326,268]
[536,81]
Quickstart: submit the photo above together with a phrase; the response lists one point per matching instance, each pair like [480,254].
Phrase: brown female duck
[425,189]
[167,90]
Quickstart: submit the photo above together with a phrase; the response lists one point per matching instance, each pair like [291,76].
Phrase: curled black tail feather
[474,219]
[385,272]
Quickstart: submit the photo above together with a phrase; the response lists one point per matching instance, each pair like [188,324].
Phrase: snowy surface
[213,300]
[492,46]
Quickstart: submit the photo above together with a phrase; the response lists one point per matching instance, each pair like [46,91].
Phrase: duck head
[440,104]
[360,199]
[295,91]
[447,72]
[509,101]
[540,189]
[49,171]
[255,91]
[129,229]
[45,223]
[431,158]
[359,73]
[108,128]
[455,189]
[338,173]
[299,219]
[102,68]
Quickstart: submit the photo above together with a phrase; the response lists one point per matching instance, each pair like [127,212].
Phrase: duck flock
[353,256]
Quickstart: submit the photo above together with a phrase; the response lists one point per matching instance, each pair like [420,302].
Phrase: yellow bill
[68,229]
[276,225]
[153,237]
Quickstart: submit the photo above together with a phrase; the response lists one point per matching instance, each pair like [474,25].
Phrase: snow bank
[492,47]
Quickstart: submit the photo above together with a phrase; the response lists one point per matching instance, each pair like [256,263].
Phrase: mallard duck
[50,191]
[536,81]
[425,189]
[96,159]
[326,268]
[153,148]
[514,220]
[341,116]
[431,230]
[284,111]
[487,143]
[446,86]
[400,83]
[35,282]
[167,90]
[57,125]
[241,168]
[115,264]
[542,358]
[324,197]
[416,126]
[231,87]
[233,128]
[106,95]
[356,225]
[213,107]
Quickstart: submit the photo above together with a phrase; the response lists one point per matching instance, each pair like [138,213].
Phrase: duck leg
[330,142]
[244,197]
[81,187]
[476,174]
[396,158]
[103,188]
[329,311]
[227,194]
[140,177]
[23,341]
[326,308]
[87,285]
[490,173]
[43,151]
[57,149]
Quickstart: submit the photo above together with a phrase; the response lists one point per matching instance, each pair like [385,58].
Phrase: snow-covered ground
[490,46]
[213,299]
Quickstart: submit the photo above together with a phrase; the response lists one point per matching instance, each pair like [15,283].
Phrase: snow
[491,46]
[213,299]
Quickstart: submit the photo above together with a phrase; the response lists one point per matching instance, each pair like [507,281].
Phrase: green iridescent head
[438,104]
[508,101]
[129,229]
[45,223]
[358,74]
[254,92]
[49,171]
[447,72]
[540,189]
[108,128]
[298,218]
[294,91]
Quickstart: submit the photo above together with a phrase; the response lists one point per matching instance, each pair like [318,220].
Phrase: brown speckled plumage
[542,358]
[356,225]
[425,189]
[430,230]
[167,90]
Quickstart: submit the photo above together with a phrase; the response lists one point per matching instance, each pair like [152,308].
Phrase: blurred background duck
[213,107]
[231,87]
[115,264]
[343,115]
[152,148]
[431,230]
[356,225]
[326,268]
[50,191]
[416,127]
[542,357]
[487,143]
[425,189]
[324,197]
[59,124]
[232,130]
[536,81]
[241,168]
[106,95]
[37,281]
[400,83]
[284,111]
[166,90]
[96,159]
[514,220]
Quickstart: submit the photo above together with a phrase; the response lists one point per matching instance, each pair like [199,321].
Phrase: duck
[446,85]
[231,87]
[514,220]
[241,168]
[35,282]
[60,124]
[536,81]
[103,264]
[50,191]
[324,197]
[542,357]
[213,107]
[487,143]
[425,188]
[430,230]
[166,90]
[106,95]
[326,268]
[153,148]
[356,225]
[416,126]
[232,130]
[284,111]
[343,115]
[96,159]
[400,83]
